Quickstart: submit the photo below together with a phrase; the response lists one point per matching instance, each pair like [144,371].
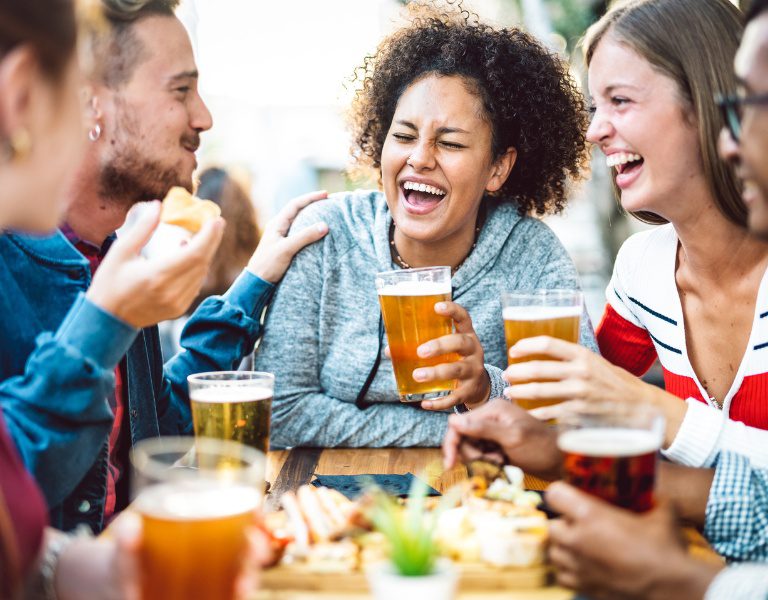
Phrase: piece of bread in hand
[184,210]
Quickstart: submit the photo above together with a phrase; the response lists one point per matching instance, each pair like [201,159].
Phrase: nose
[423,156]
[200,117]
[600,128]
[728,147]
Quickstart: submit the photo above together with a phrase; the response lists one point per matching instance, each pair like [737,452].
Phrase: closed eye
[453,145]
[403,137]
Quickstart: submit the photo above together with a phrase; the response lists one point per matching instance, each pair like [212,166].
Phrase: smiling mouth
[421,195]
[624,162]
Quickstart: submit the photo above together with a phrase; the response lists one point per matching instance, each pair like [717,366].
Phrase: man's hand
[276,248]
[522,439]
[607,552]
[143,291]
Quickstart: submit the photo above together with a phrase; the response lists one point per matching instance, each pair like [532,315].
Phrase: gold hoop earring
[20,144]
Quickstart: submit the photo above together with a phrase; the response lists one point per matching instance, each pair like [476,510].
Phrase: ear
[501,170]
[92,103]
[18,75]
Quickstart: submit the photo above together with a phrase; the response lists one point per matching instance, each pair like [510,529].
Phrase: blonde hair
[693,42]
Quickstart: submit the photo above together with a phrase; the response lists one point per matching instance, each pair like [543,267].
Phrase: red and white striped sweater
[644,319]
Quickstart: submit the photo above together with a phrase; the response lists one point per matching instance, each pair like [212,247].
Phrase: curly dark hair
[529,97]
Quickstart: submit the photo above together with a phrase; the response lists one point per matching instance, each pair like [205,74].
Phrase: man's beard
[130,178]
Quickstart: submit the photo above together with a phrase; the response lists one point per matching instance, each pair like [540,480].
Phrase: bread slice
[184,210]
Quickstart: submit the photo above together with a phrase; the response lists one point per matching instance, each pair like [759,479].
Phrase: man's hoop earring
[95,133]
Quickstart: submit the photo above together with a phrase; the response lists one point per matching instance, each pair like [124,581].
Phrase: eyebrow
[614,86]
[184,75]
[440,130]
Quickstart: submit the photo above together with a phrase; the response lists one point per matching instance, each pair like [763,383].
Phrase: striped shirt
[644,319]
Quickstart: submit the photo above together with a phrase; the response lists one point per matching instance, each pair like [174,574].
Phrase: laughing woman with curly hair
[471,130]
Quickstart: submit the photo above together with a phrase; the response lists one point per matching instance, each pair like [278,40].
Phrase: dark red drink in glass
[617,465]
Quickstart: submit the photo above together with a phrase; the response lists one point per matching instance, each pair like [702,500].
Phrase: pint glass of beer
[408,298]
[233,405]
[610,451]
[555,313]
[196,498]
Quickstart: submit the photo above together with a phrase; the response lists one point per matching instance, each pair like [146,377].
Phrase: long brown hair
[693,42]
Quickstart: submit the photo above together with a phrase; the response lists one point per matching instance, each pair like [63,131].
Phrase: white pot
[387,584]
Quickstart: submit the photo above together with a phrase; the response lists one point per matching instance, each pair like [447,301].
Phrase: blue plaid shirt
[736,522]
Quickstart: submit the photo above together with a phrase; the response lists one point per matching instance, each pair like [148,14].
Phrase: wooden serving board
[474,577]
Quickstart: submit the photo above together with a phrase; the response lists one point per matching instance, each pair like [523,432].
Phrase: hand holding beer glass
[610,450]
[233,405]
[408,299]
[197,498]
[554,313]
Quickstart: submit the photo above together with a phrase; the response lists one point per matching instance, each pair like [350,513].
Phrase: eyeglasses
[732,107]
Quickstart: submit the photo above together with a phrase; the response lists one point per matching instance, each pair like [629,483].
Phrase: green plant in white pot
[414,570]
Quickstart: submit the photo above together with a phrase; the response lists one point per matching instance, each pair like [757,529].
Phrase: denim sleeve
[57,411]
[219,334]
[736,521]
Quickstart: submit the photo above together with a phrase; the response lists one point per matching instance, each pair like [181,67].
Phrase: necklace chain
[400,262]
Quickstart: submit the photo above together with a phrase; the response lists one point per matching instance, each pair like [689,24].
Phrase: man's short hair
[756,8]
[119,49]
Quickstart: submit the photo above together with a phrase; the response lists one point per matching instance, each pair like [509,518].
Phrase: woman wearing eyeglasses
[692,291]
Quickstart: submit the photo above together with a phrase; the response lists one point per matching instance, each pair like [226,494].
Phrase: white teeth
[423,187]
[621,158]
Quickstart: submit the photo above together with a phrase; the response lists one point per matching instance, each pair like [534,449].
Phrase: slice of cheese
[184,210]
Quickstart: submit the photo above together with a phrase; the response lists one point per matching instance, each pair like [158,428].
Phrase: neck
[91,216]
[713,248]
[447,252]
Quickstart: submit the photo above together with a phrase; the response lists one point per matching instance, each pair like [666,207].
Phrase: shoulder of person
[342,208]
[645,245]
[530,233]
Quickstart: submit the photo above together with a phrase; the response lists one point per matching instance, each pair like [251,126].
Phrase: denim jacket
[55,386]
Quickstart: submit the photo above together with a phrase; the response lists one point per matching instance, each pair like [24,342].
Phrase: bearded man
[145,119]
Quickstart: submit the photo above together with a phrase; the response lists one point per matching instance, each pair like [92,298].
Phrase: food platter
[496,542]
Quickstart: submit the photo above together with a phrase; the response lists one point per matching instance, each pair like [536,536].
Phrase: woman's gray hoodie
[322,331]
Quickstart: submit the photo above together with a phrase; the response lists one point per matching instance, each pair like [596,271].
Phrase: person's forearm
[686,488]
[687,579]
[86,569]
[672,407]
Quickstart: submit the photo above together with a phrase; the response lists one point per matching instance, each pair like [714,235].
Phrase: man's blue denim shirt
[58,352]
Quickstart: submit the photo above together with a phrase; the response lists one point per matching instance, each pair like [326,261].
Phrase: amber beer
[232,405]
[193,540]
[240,415]
[408,299]
[554,313]
[196,498]
[617,465]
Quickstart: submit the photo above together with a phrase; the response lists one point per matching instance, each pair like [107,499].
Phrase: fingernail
[420,374]
[441,306]
[322,227]
[424,350]
[426,404]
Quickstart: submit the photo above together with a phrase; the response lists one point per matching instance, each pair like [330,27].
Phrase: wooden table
[287,470]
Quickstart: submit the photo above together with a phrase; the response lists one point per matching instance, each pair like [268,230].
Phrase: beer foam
[609,441]
[182,502]
[225,394]
[539,313]
[416,288]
